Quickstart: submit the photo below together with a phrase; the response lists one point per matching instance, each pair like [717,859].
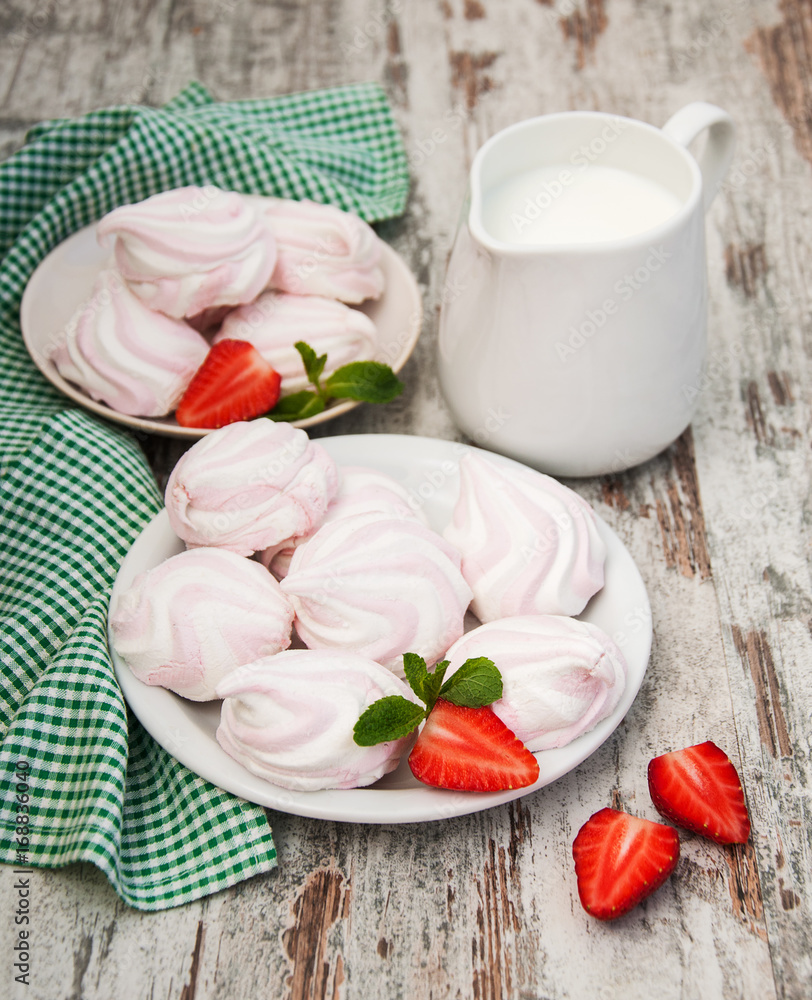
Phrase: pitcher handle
[684,126]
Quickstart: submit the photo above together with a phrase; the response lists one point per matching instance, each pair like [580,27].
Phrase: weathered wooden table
[485,906]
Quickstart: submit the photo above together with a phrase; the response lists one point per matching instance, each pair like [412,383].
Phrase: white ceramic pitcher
[582,358]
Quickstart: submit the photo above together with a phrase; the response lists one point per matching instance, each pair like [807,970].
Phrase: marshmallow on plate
[117,350]
[323,251]
[187,623]
[361,491]
[277,320]
[378,586]
[289,719]
[191,249]
[560,676]
[249,486]
[529,545]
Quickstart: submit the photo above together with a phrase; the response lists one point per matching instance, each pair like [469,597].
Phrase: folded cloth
[79,780]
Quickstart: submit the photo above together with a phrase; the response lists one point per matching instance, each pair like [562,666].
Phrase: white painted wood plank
[485,906]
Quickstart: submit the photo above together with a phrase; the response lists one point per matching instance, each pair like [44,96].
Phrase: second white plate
[428,469]
[65,278]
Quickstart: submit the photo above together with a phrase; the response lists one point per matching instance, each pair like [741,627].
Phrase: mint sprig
[476,683]
[363,381]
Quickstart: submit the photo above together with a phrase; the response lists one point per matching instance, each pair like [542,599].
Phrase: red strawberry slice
[471,750]
[700,789]
[620,859]
[234,383]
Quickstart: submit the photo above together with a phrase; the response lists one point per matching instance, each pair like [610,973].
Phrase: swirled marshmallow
[249,486]
[191,249]
[187,623]
[277,320]
[289,719]
[560,676]
[529,545]
[323,251]
[120,352]
[380,587]
[361,491]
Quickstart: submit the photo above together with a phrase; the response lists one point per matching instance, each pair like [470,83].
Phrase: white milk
[561,204]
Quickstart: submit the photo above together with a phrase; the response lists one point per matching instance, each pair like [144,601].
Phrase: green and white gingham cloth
[75,493]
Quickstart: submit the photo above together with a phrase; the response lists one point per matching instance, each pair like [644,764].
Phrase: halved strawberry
[234,383]
[700,789]
[472,750]
[620,859]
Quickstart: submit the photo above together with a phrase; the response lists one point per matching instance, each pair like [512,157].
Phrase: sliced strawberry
[472,750]
[234,383]
[620,859]
[699,788]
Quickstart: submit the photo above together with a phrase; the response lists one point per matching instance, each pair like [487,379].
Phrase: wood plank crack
[754,414]
[584,27]
[783,52]
[469,76]
[396,68]
[745,886]
[321,904]
[682,521]
[745,266]
[492,973]
[756,656]
[190,989]
[781,388]
[81,960]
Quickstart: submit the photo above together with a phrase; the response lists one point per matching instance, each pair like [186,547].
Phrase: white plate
[427,467]
[65,278]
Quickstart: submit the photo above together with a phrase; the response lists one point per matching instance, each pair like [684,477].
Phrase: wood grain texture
[486,906]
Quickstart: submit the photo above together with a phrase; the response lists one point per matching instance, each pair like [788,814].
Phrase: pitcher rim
[482,236]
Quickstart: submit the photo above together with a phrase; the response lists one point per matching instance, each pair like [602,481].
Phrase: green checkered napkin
[76,493]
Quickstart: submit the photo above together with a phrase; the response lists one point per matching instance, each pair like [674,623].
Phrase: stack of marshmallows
[361,577]
[194,266]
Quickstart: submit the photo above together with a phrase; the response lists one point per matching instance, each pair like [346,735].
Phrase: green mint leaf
[414,667]
[365,381]
[475,684]
[387,719]
[313,363]
[434,683]
[298,406]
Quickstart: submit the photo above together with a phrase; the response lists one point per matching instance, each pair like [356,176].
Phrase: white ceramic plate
[428,468]
[64,280]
